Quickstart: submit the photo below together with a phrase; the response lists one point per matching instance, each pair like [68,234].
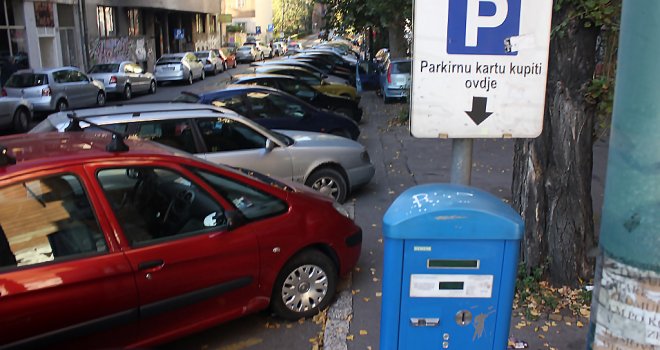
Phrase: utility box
[451,256]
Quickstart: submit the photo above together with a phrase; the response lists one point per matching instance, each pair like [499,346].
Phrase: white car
[15,114]
[330,164]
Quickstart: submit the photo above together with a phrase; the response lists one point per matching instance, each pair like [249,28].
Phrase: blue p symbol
[482,27]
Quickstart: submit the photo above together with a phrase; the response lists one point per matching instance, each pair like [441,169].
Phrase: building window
[43,14]
[105,20]
[200,22]
[240,4]
[13,42]
[214,24]
[134,22]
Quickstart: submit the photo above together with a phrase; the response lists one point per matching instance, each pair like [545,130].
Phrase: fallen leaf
[363,332]
[379,294]
[350,337]
[366,300]
[579,324]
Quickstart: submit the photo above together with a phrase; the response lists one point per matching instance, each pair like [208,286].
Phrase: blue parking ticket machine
[451,255]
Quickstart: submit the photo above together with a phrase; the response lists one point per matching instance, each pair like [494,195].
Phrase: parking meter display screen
[453,264]
[450,285]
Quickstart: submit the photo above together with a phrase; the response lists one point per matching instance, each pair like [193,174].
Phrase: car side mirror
[234,219]
[270,145]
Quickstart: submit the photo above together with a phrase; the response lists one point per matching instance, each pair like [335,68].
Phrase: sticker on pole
[479,68]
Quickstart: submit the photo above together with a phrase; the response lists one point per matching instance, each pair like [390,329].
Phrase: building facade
[254,17]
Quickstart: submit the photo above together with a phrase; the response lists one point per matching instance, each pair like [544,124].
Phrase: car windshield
[245,48]
[105,68]
[401,67]
[24,80]
[202,54]
[187,97]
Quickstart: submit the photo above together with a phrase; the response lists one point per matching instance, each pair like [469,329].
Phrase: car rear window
[105,68]
[168,60]
[401,68]
[245,48]
[24,80]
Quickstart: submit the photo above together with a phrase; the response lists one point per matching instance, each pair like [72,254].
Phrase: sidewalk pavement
[401,162]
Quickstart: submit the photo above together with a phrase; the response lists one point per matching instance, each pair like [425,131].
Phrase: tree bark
[552,173]
[395,29]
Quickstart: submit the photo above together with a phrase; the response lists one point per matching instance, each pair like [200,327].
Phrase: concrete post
[626,312]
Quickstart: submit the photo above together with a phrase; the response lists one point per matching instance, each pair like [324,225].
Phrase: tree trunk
[397,41]
[552,173]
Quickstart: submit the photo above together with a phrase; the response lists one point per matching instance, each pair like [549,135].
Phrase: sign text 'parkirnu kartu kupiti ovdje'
[479,68]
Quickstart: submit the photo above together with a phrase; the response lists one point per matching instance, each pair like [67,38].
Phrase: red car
[114,246]
[228,55]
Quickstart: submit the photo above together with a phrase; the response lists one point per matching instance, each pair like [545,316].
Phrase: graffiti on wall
[137,49]
[210,42]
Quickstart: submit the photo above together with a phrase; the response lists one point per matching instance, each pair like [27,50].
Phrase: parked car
[297,63]
[264,50]
[395,79]
[123,78]
[228,55]
[279,48]
[330,164]
[55,89]
[102,245]
[305,92]
[15,114]
[275,109]
[211,60]
[314,80]
[294,47]
[327,66]
[185,67]
[248,53]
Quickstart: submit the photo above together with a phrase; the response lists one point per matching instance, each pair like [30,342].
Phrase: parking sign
[479,68]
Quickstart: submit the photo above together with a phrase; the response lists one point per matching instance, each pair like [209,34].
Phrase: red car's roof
[59,148]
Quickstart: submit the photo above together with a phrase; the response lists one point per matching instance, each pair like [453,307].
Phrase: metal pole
[626,312]
[461,161]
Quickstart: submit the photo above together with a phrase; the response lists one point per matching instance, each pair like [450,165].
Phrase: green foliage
[592,14]
[292,16]
[232,28]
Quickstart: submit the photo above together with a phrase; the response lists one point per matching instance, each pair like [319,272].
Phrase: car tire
[152,87]
[61,105]
[100,99]
[203,76]
[190,78]
[262,57]
[224,66]
[234,64]
[330,182]
[305,286]
[21,121]
[127,92]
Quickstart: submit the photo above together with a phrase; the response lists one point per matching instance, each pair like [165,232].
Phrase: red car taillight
[45,91]
[113,80]
[208,62]
[4,92]
[389,74]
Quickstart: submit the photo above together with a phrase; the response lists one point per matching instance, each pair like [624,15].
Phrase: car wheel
[203,75]
[62,105]
[330,182]
[190,79]
[152,87]
[100,99]
[127,92]
[262,57]
[305,286]
[21,120]
[224,66]
[234,64]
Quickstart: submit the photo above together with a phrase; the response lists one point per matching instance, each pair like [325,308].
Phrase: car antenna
[117,143]
[5,158]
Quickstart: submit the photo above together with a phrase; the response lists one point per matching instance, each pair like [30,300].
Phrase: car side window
[47,219]
[224,134]
[173,133]
[128,68]
[235,103]
[61,76]
[154,203]
[297,89]
[252,203]
[263,107]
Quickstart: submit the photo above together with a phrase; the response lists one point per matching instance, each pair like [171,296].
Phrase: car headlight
[341,209]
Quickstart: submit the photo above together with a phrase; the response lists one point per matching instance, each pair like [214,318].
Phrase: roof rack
[117,143]
[5,158]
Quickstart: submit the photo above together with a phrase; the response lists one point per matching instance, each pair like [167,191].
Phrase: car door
[85,91]
[230,142]
[69,84]
[135,79]
[62,275]
[190,265]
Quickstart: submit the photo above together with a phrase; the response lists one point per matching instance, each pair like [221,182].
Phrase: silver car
[248,53]
[184,67]
[56,89]
[330,164]
[211,61]
[15,114]
[124,78]
[395,79]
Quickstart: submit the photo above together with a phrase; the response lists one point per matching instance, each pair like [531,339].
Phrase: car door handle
[151,266]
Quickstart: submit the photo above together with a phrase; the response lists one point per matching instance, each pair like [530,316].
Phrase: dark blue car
[275,109]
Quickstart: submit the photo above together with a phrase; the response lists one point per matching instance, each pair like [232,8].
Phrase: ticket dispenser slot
[451,254]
